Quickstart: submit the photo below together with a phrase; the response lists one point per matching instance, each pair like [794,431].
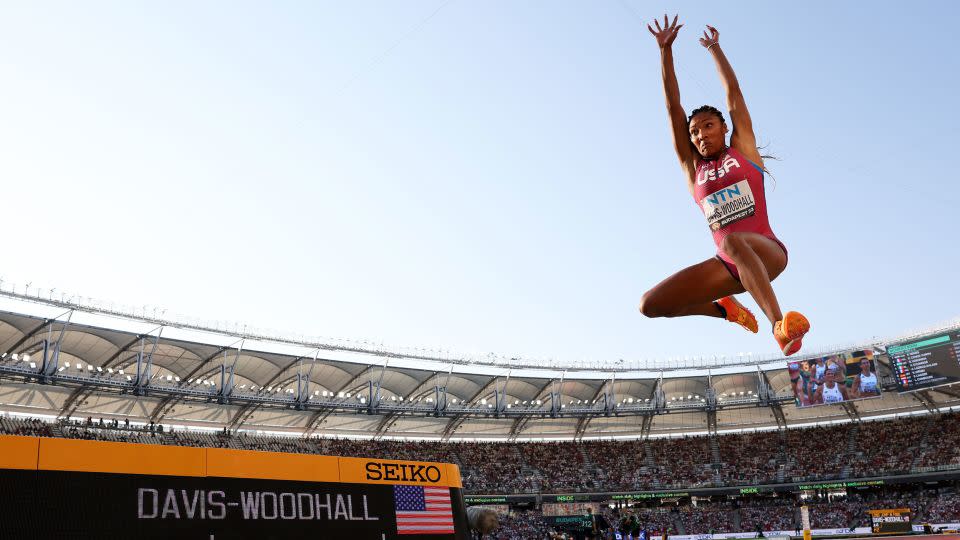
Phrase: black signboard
[568,522]
[891,521]
[56,504]
[472,500]
[570,497]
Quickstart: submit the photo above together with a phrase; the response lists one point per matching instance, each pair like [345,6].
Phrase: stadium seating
[865,449]
[840,451]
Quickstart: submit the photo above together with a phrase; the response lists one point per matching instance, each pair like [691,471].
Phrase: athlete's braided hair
[707,109]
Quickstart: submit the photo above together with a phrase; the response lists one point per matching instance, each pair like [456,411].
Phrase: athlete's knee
[648,306]
[735,245]
[652,306]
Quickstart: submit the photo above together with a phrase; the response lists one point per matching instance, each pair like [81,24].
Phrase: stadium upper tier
[73,361]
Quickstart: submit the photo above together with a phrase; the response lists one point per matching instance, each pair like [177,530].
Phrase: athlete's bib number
[728,205]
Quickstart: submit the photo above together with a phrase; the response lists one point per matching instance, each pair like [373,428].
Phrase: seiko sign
[402,472]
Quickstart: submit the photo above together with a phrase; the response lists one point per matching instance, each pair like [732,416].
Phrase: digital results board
[61,488]
[891,521]
[926,362]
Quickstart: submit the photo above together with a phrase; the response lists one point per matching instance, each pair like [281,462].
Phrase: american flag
[423,510]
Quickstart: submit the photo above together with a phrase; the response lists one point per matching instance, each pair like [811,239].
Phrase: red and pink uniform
[730,192]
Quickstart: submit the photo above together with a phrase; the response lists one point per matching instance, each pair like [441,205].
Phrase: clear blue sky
[479,176]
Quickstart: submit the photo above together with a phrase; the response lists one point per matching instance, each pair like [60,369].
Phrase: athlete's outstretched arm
[678,118]
[742,138]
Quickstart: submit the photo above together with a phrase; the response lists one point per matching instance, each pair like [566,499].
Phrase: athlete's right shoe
[789,332]
[737,313]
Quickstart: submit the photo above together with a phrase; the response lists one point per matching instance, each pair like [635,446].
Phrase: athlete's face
[708,134]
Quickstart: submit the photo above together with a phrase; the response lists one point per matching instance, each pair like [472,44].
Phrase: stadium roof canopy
[104,364]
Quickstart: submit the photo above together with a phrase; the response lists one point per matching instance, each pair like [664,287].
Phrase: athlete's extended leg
[759,260]
[691,291]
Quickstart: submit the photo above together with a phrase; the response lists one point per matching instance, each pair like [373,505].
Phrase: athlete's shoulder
[751,155]
[740,156]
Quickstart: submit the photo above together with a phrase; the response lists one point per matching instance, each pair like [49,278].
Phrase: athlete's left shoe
[737,313]
[789,332]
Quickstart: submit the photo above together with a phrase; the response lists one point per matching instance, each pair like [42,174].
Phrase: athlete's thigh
[773,256]
[703,282]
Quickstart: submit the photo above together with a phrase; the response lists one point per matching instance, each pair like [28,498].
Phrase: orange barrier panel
[129,458]
[453,473]
[230,463]
[18,452]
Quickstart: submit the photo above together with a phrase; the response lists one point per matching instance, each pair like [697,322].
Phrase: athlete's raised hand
[666,34]
[711,39]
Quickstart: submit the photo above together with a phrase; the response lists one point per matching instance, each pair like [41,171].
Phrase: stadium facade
[70,360]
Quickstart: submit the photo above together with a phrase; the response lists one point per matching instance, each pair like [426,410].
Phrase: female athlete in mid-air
[727,183]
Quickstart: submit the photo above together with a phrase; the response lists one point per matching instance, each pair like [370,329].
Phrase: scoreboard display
[926,362]
[891,521]
[65,488]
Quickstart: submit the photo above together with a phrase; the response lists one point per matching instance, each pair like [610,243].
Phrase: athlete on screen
[832,390]
[799,381]
[818,371]
[865,383]
[727,183]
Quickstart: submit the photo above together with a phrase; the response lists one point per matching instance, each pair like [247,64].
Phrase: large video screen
[827,380]
[926,362]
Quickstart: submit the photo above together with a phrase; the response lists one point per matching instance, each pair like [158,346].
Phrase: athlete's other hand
[712,39]
[666,34]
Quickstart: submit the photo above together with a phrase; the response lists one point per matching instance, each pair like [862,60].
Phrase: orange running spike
[789,332]
[737,313]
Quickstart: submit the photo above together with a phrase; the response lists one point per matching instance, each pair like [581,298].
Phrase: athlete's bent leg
[691,291]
